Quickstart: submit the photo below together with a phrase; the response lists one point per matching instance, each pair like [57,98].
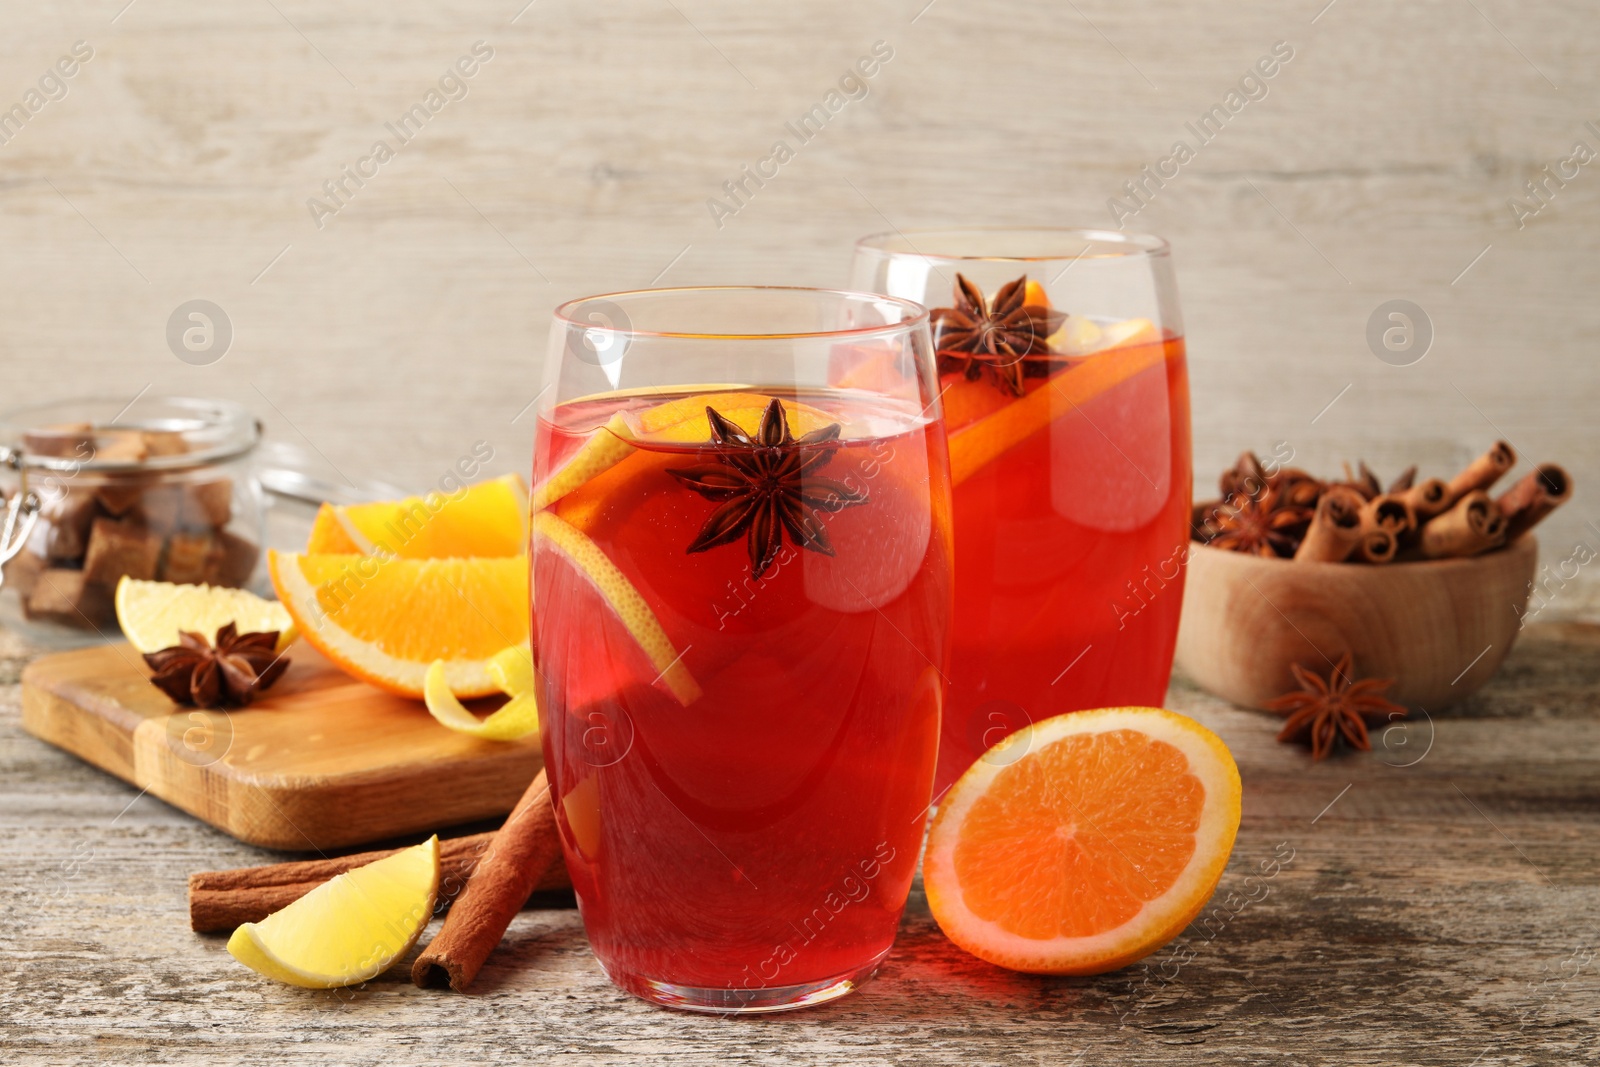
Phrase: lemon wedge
[348,930]
[152,613]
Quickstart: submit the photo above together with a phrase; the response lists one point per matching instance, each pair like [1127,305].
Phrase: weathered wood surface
[1440,907]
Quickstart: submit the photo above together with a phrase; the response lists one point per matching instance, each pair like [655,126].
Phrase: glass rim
[916,314]
[1126,245]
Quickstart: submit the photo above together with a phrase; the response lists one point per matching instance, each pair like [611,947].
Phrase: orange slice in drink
[680,421]
[975,445]
[486,519]
[621,597]
[1084,842]
[385,620]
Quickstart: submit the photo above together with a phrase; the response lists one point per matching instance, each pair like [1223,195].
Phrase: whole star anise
[1322,711]
[1260,525]
[767,485]
[1008,339]
[228,674]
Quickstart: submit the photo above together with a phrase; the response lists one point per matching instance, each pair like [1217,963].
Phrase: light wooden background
[1379,166]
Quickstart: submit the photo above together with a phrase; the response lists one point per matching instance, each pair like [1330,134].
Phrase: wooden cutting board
[322,761]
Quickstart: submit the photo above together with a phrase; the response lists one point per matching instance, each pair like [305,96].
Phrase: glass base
[740,1001]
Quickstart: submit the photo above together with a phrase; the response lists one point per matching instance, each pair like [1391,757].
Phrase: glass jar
[161,488]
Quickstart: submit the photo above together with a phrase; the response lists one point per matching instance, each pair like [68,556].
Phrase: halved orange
[385,621]
[1084,842]
[486,519]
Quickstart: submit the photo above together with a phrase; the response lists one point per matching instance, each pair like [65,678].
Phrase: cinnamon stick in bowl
[1390,512]
[1377,545]
[1484,471]
[1472,526]
[1426,498]
[1335,528]
[1539,493]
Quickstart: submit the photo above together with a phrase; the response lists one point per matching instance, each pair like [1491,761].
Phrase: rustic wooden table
[1433,903]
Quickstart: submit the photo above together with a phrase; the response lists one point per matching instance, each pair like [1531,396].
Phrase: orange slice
[982,441]
[385,621]
[1084,842]
[623,598]
[679,421]
[486,519]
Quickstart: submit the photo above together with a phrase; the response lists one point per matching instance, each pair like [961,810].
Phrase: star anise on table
[767,485]
[1322,710]
[1260,525]
[228,674]
[1008,338]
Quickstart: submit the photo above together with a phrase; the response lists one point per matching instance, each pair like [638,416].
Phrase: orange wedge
[486,519]
[385,621]
[981,441]
[1084,842]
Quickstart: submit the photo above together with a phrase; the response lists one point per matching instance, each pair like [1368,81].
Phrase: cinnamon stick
[1388,512]
[1484,471]
[1427,498]
[1335,526]
[1377,545]
[223,900]
[1539,493]
[515,862]
[1472,526]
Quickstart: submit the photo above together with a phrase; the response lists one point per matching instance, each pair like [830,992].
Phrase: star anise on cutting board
[1324,710]
[766,485]
[1009,338]
[1260,525]
[228,674]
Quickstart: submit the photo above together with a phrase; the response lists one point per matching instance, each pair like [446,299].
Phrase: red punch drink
[1066,397]
[1069,542]
[740,613]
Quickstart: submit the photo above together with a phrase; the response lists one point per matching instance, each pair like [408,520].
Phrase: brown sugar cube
[63,595]
[233,559]
[161,506]
[61,441]
[121,494]
[120,446]
[164,442]
[64,517]
[118,548]
[186,558]
[22,572]
[207,503]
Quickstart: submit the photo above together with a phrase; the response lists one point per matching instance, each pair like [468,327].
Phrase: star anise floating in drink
[767,485]
[228,674]
[1324,711]
[1009,338]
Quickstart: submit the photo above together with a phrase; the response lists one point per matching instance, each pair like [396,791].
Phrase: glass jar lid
[112,434]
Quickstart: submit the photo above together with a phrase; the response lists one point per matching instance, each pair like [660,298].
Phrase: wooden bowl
[1439,628]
